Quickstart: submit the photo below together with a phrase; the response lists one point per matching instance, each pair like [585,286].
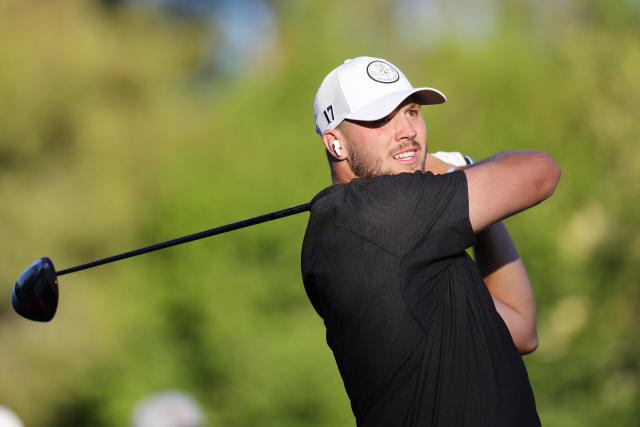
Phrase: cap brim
[383,106]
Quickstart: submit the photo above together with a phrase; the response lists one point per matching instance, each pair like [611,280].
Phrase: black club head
[35,294]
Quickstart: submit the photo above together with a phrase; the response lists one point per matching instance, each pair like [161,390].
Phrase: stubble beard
[364,164]
[367,166]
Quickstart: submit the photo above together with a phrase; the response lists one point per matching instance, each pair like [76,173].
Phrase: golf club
[35,294]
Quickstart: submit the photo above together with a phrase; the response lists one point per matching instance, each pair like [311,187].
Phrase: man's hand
[442,161]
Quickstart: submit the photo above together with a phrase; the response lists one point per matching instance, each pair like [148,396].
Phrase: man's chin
[368,173]
[406,169]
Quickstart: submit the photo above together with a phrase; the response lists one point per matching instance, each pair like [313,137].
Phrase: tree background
[128,123]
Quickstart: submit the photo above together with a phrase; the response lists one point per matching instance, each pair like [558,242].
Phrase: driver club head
[35,294]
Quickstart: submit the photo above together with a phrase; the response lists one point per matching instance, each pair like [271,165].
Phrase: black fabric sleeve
[395,212]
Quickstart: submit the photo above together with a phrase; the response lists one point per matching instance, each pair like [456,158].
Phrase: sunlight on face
[394,144]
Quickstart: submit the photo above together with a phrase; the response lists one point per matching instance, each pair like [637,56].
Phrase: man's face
[394,144]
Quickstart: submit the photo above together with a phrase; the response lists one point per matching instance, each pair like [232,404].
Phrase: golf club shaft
[191,237]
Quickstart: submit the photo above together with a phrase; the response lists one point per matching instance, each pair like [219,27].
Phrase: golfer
[422,334]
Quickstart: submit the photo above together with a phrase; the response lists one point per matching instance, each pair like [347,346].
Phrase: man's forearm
[436,165]
[509,285]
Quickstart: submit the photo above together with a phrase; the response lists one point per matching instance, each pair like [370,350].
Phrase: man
[422,334]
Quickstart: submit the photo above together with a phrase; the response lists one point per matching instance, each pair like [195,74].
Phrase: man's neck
[341,173]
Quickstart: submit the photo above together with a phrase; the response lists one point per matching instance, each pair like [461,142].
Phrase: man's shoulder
[391,211]
[362,204]
[368,190]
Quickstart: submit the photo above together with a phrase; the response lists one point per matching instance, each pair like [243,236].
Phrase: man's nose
[404,129]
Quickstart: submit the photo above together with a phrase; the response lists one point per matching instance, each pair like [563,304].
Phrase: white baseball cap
[366,89]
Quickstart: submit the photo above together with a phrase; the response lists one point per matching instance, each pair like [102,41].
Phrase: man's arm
[509,285]
[507,183]
[501,186]
[436,165]
[522,179]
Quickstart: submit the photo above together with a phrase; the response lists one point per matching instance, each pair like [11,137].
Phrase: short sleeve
[395,212]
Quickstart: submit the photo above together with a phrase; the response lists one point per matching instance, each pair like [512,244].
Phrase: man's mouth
[405,155]
[408,155]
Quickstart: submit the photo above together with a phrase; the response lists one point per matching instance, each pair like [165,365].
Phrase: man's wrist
[453,158]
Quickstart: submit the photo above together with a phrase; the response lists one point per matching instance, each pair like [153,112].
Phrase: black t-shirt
[412,326]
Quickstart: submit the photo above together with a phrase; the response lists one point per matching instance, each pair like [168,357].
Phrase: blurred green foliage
[108,143]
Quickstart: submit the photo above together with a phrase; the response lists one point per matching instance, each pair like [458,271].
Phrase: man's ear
[333,142]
